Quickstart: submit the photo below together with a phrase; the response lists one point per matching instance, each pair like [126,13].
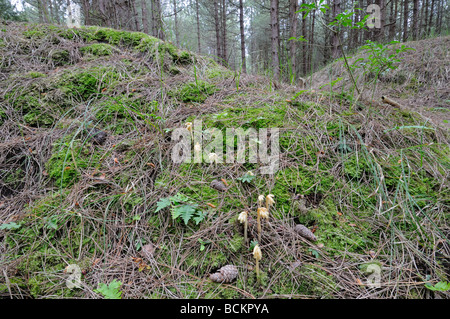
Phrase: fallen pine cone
[226,274]
[220,186]
[305,232]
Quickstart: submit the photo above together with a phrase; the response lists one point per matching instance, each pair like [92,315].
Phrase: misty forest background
[269,37]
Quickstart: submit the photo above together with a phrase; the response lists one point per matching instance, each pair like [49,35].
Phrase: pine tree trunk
[311,42]
[224,33]
[293,19]
[415,27]
[336,34]
[144,16]
[198,26]
[241,26]
[218,38]
[393,19]
[275,39]
[177,36]
[405,20]
[304,53]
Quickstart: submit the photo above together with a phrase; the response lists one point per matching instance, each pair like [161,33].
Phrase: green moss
[195,92]
[88,83]
[69,157]
[60,57]
[37,118]
[97,49]
[35,75]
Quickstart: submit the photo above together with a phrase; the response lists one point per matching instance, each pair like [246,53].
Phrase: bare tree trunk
[69,14]
[157,20]
[135,15]
[217,25]
[144,16]
[177,35]
[336,34]
[415,27]
[304,53]
[241,26]
[275,39]
[430,20]
[379,32]
[405,20]
[224,32]
[393,19]
[312,39]
[293,19]
[326,49]
[198,27]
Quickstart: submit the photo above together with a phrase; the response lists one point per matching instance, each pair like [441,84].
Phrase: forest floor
[87,179]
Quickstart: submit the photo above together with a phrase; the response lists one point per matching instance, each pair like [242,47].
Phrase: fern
[110,291]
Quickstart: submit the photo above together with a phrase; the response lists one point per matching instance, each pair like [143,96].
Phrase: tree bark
[241,26]
[304,51]
[336,34]
[177,35]
[198,26]
[415,27]
[405,20]
[293,19]
[393,19]
[275,39]
[224,32]
[144,16]
[217,25]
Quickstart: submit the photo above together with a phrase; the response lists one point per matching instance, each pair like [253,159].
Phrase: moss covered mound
[87,178]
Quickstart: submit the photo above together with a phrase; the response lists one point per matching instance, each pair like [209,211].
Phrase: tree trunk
[177,35]
[241,26]
[224,32]
[218,38]
[311,42]
[198,26]
[405,20]
[304,53]
[336,34]
[275,39]
[430,20]
[144,16]
[69,14]
[135,15]
[393,19]
[415,27]
[293,19]
[326,36]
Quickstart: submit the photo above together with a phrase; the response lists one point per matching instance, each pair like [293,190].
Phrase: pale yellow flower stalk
[260,200]
[269,200]
[257,254]
[197,150]
[213,158]
[262,212]
[243,218]
[189,128]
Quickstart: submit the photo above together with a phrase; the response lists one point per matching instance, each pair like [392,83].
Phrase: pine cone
[220,186]
[305,232]
[226,274]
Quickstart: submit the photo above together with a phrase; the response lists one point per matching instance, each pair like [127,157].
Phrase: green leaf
[179,198]
[440,286]
[110,291]
[184,211]
[10,226]
[163,203]
[199,217]
[246,178]
[253,243]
